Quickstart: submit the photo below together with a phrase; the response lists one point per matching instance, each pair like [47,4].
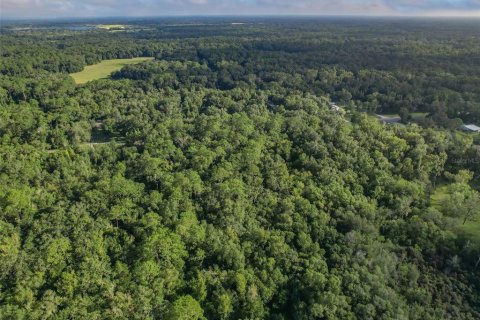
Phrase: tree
[463,202]
[185,308]
[404,115]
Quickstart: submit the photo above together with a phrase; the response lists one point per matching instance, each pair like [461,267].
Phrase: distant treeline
[376,65]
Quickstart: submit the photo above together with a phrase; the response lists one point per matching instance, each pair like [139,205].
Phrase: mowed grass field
[471,229]
[104,69]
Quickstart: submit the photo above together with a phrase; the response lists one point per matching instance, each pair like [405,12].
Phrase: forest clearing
[104,69]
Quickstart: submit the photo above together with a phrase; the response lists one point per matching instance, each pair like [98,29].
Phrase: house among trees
[335,107]
[471,127]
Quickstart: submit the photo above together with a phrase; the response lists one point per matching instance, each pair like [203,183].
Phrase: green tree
[185,308]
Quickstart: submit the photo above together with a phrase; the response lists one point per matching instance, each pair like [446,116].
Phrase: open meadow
[104,69]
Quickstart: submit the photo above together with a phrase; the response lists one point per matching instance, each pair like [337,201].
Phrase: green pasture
[104,69]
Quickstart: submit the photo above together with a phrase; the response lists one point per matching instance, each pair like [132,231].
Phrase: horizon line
[266,15]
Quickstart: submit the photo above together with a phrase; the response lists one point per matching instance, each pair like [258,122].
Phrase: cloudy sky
[102,8]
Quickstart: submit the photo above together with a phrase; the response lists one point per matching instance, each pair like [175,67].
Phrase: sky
[13,9]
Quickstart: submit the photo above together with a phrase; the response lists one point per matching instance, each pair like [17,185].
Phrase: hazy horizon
[65,9]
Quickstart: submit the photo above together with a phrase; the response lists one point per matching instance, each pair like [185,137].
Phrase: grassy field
[439,196]
[416,116]
[389,115]
[471,228]
[468,135]
[103,69]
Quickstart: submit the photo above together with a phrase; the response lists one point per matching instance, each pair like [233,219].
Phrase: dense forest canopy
[217,182]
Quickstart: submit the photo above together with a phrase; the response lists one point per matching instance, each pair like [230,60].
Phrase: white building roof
[472,127]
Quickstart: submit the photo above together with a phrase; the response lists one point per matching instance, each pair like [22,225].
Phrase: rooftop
[472,127]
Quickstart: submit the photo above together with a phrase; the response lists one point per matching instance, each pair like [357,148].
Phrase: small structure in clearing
[335,108]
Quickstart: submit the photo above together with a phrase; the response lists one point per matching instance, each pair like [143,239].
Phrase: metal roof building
[471,127]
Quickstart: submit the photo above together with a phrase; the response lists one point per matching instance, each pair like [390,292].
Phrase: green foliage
[185,308]
[462,201]
[216,182]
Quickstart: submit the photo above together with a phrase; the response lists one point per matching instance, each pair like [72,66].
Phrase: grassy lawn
[469,135]
[418,115]
[390,115]
[471,229]
[104,69]
[438,196]
[415,116]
